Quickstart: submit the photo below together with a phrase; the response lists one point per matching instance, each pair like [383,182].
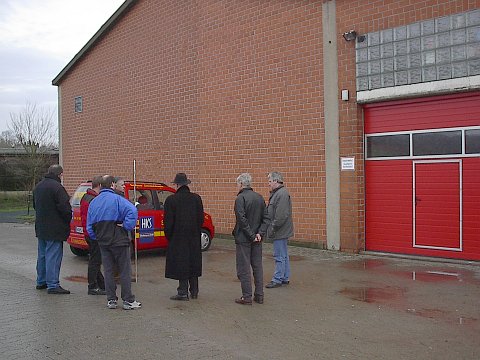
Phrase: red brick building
[216,88]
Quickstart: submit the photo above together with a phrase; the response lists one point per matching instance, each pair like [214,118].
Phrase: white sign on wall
[348,163]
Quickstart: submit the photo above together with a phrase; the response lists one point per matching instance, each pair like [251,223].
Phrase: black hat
[181,179]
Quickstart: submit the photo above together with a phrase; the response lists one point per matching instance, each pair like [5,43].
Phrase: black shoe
[58,290]
[258,299]
[285,282]
[41,287]
[97,291]
[192,296]
[179,297]
[273,284]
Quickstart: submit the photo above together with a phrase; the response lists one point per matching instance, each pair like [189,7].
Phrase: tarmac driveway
[337,306]
[14,216]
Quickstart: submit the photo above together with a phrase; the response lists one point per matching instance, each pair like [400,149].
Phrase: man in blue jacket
[110,218]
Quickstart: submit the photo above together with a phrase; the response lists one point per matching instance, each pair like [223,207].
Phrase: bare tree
[7,140]
[35,130]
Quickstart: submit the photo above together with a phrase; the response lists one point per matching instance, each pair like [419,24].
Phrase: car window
[78,194]
[161,196]
[142,199]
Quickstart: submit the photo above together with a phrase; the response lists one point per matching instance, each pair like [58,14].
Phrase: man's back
[249,211]
[53,211]
[105,213]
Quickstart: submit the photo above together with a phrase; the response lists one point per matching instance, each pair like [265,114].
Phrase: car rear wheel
[78,252]
[206,240]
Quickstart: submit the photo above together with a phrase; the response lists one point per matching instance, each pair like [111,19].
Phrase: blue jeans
[49,260]
[282,261]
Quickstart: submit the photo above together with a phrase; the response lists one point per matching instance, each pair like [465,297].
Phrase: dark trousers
[182,289]
[95,276]
[250,255]
[118,256]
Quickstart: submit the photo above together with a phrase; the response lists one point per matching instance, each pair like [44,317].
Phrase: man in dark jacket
[278,227]
[249,211]
[183,220]
[109,221]
[96,282]
[53,214]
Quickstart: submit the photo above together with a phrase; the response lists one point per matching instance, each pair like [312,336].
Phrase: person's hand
[258,238]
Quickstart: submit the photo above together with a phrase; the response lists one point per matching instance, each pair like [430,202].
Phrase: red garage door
[423,176]
[437,205]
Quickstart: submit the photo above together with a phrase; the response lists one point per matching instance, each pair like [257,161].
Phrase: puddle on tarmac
[438,275]
[443,315]
[433,274]
[364,264]
[82,279]
[373,295]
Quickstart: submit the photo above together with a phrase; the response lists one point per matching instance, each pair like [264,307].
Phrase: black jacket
[249,210]
[53,211]
[183,219]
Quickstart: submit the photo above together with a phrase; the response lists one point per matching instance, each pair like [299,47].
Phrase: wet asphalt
[337,306]
[15,216]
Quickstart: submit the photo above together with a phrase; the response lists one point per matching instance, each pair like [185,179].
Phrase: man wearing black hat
[183,220]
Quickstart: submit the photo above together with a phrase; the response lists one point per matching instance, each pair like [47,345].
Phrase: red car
[149,233]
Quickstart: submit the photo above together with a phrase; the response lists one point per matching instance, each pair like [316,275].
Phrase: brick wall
[216,88]
[212,88]
[369,16]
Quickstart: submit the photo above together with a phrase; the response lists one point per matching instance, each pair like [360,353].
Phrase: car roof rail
[148,182]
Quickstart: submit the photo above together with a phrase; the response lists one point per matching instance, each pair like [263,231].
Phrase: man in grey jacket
[278,226]
[249,212]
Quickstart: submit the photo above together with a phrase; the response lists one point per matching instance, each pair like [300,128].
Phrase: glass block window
[436,49]
[78,104]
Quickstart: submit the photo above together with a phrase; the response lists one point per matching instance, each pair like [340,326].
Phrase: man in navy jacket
[110,218]
[52,227]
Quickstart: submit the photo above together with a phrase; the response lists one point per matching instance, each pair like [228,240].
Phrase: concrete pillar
[331,103]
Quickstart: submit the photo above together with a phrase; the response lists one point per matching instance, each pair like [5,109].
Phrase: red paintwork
[437,209]
[389,183]
[426,113]
[77,240]
[389,210]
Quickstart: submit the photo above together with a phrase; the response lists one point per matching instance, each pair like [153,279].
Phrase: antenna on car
[135,232]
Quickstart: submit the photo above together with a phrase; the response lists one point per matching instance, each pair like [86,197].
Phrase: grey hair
[244,179]
[276,176]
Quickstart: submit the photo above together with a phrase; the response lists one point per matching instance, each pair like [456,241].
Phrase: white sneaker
[112,304]
[132,305]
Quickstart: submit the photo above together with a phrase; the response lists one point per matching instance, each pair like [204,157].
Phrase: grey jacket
[249,211]
[278,222]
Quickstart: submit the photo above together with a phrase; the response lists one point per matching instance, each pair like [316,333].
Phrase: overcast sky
[37,39]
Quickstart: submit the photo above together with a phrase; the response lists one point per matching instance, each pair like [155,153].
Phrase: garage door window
[472,141]
[388,145]
[433,143]
[437,143]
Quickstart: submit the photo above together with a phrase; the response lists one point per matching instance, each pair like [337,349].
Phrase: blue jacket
[105,215]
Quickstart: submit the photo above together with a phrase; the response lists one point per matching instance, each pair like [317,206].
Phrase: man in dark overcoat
[52,227]
[183,219]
